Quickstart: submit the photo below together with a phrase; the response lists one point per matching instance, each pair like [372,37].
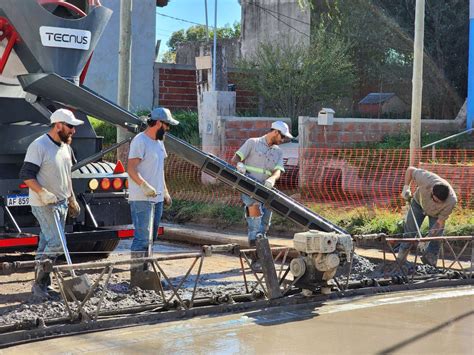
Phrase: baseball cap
[282,127]
[164,115]
[66,116]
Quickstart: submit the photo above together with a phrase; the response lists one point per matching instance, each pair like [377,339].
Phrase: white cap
[66,116]
[164,115]
[282,127]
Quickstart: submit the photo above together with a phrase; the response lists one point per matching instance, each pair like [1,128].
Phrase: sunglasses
[68,125]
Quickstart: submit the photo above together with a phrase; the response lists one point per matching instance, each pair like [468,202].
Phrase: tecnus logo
[65,37]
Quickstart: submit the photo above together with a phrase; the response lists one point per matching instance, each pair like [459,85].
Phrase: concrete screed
[220,275]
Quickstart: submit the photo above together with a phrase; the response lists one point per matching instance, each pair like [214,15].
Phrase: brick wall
[175,88]
[345,132]
[238,129]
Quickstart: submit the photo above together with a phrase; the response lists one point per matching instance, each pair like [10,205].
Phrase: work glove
[241,168]
[148,190]
[47,197]
[406,193]
[73,207]
[167,199]
[269,183]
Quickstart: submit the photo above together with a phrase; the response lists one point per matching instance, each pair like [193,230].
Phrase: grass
[402,141]
[356,221]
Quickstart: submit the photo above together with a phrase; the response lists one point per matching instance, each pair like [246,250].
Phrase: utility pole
[214,55]
[417,82]
[470,75]
[124,65]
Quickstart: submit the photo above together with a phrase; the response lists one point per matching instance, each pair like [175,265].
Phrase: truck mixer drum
[321,254]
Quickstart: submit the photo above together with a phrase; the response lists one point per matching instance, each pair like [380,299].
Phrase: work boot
[42,281]
[402,254]
[256,266]
[136,270]
[429,259]
[39,291]
[252,243]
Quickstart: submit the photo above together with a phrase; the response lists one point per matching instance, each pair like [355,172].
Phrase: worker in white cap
[47,173]
[261,159]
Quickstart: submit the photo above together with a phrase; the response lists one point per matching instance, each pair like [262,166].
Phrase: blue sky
[228,11]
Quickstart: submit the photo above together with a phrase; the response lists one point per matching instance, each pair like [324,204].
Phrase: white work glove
[73,207]
[241,168]
[48,198]
[269,183]
[406,193]
[148,190]
[167,199]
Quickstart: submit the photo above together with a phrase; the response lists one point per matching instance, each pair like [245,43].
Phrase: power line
[180,19]
[269,12]
[279,13]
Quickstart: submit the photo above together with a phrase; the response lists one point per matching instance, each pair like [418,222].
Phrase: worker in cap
[261,159]
[147,186]
[46,171]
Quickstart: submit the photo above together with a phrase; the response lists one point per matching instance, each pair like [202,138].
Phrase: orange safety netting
[341,177]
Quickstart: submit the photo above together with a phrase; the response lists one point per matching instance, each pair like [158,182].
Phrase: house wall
[394,105]
[345,132]
[102,75]
[268,26]
[174,86]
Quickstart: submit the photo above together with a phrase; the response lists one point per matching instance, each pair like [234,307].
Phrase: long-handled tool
[78,285]
[148,279]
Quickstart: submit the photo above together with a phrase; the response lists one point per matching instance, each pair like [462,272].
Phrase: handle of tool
[414,219]
[150,235]
[62,237]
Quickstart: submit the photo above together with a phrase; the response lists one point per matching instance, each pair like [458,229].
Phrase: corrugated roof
[376,98]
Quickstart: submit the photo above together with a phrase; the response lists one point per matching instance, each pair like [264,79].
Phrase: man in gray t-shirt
[47,173]
[147,186]
[433,198]
[261,159]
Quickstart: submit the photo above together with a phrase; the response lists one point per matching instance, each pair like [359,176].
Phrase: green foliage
[360,220]
[198,34]
[402,141]
[104,129]
[294,79]
[381,34]
[188,128]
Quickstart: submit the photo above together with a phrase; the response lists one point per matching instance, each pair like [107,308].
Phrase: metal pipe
[448,138]
[104,264]
[97,156]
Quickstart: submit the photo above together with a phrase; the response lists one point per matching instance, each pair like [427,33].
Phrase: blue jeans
[141,213]
[260,224]
[410,227]
[49,244]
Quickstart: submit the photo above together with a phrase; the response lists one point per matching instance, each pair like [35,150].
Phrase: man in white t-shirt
[47,172]
[147,186]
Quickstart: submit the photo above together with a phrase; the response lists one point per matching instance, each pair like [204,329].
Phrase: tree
[295,80]
[381,34]
[197,33]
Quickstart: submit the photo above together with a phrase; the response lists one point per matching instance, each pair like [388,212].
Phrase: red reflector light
[117,183]
[119,169]
[125,233]
[105,184]
[23,186]
[126,183]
